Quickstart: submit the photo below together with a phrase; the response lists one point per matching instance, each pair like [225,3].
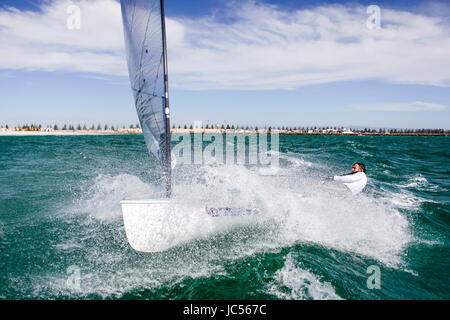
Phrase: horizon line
[217,126]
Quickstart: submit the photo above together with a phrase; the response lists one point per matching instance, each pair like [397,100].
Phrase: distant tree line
[69,127]
[320,129]
[105,127]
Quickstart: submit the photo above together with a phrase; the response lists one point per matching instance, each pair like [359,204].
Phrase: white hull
[160,224]
[151,225]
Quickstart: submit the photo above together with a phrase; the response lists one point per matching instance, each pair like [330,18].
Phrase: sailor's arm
[348,178]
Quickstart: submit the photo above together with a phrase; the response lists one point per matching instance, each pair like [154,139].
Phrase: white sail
[155,225]
[144,30]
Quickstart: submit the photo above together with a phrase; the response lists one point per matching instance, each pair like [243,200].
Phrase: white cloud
[405,107]
[41,40]
[259,47]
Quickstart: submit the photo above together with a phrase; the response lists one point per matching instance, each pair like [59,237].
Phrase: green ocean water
[59,212]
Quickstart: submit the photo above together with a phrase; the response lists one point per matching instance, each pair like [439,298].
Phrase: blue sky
[292,63]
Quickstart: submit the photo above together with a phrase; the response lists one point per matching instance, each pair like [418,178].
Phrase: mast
[167,164]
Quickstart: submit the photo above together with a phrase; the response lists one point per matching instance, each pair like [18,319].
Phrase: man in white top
[355,181]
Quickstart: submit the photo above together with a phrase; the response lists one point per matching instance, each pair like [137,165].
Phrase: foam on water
[305,210]
[103,196]
[111,275]
[294,209]
[293,282]
[2,231]
[419,182]
[68,245]
[296,161]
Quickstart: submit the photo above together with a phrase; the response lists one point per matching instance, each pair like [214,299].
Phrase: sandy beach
[213,131]
[63,133]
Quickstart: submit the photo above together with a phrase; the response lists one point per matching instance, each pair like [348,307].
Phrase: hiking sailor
[355,181]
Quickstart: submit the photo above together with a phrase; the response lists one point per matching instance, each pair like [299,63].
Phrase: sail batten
[144,29]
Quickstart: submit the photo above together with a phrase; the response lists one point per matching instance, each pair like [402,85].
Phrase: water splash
[295,283]
[296,208]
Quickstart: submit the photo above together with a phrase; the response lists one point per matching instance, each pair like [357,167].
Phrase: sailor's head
[358,167]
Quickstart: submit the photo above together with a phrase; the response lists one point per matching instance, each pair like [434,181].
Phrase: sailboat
[146,50]
[155,225]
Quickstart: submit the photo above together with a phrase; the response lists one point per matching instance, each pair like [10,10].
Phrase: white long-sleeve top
[355,182]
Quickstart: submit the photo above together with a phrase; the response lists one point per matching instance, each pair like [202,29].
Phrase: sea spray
[312,238]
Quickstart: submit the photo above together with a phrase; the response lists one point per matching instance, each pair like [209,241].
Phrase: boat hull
[159,224]
[152,225]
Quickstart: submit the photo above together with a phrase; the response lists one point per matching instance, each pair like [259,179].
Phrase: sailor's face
[356,168]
